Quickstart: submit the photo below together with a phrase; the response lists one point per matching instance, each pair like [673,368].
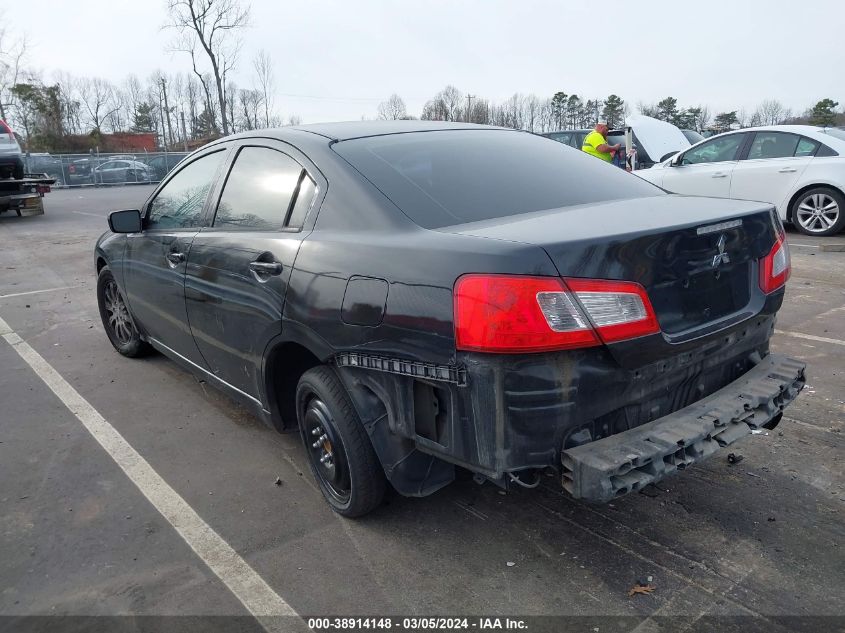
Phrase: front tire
[118,323]
[340,454]
[819,211]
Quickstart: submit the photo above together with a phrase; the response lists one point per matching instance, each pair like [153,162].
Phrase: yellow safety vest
[591,145]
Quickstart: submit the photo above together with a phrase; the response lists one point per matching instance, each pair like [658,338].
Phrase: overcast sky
[336,59]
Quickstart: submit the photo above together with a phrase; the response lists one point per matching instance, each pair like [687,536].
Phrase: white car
[798,168]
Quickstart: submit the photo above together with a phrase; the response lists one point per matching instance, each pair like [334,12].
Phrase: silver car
[11,158]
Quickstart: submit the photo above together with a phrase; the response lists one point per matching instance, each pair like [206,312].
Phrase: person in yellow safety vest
[595,143]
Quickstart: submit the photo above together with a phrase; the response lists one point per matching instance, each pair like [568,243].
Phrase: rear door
[705,170]
[773,164]
[239,266]
[155,259]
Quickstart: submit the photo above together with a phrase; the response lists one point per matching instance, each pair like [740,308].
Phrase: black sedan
[415,297]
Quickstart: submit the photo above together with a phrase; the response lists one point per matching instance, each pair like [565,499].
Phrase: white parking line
[241,579]
[791,244]
[810,337]
[35,292]
[93,215]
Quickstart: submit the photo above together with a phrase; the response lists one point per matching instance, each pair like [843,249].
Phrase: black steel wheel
[340,454]
[117,321]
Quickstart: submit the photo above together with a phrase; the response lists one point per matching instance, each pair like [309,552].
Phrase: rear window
[835,133]
[452,177]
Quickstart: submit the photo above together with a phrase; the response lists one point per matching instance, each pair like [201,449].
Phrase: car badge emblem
[721,257]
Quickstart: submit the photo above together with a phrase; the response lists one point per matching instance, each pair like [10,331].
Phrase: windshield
[836,133]
[451,177]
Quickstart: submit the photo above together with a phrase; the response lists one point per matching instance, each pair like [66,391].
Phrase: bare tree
[71,106]
[230,98]
[214,25]
[12,55]
[266,82]
[702,121]
[98,100]
[531,115]
[770,112]
[294,119]
[392,109]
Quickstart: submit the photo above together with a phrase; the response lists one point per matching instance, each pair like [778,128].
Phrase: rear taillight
[618,309]
[512,314]
[775,267]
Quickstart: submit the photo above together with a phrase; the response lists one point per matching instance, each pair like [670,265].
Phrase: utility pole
[468,116]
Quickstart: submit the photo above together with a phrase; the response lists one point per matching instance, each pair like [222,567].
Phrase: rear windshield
[452,177]
[836,133]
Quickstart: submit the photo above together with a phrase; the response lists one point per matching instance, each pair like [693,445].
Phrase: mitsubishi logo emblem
[721,257]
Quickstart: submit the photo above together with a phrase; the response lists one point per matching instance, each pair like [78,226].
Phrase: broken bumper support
[613,466]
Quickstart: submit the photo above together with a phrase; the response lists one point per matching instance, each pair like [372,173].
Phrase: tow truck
[25,196]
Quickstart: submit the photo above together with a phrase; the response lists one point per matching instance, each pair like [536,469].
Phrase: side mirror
[677,160]
[128,221]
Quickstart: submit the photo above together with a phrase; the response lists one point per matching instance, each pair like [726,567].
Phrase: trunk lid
[696,257]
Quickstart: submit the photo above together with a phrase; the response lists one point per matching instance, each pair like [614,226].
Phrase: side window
[715,151]
[258,191]
[773,145]
[179,204]
[304,198]
[824,150]
[807,147]
[561,137]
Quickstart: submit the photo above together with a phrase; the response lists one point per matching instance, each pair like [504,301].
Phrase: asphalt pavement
[761,541]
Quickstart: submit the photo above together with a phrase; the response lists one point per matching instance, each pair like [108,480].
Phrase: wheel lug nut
[316,444]
[316,431]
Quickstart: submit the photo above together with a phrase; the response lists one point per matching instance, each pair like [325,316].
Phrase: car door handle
[720,174]
[175,258]
[266,268]
[787,170]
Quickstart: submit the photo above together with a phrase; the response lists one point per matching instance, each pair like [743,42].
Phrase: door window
[258,192]
[773,145]
[179,204]
[806,147]
[717,150]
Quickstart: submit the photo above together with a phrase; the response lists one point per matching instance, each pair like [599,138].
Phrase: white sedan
[798,168]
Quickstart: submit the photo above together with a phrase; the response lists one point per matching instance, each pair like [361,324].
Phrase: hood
[656,137]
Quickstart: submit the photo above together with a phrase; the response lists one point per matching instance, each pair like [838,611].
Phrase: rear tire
[819,211]
[117,321]
[340,454]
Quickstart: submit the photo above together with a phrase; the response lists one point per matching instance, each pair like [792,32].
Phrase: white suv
[798,168]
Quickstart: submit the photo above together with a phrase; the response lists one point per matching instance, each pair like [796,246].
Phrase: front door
[705,170]
[156,258]
[239,267]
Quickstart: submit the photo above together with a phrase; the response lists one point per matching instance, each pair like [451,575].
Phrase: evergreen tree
[614,111]
[823,113]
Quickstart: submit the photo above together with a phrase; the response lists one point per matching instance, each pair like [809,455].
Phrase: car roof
[347,130]
[358,129]
[580,129]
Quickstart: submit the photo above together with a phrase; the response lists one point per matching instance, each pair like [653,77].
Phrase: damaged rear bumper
[615,465]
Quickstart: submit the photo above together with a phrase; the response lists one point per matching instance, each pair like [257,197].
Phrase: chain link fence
[95,169]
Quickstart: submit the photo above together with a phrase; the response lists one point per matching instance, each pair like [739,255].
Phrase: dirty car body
[487,299]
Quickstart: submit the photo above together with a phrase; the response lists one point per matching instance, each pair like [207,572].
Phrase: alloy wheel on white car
[818,213]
